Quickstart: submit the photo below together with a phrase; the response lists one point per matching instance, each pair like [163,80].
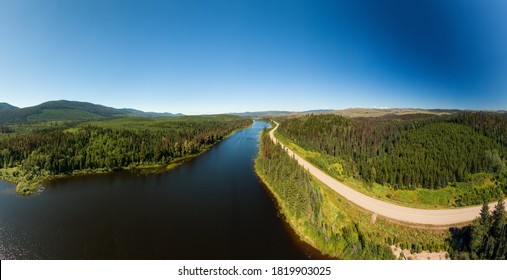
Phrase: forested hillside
[64,110]
[29,156]
[329,222]
[407,152]
[7,106]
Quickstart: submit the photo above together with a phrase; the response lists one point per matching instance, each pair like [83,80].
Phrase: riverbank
[27,182]
[329,222]
[298,228]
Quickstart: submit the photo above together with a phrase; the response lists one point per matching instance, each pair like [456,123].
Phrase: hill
[258,114]
[64,110]
[380,112]
[7,106]
[134,112]
[352,112]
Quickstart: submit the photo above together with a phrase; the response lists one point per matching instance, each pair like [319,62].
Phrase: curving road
[443,217]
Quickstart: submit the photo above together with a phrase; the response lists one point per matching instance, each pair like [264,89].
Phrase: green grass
[454,195]
[383,230]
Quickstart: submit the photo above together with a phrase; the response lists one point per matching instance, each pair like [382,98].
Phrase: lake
[212,207]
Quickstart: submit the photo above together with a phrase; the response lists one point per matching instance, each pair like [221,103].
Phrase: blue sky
[230,56]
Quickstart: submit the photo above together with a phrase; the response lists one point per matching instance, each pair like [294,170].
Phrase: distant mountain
[64,110]
[378,112]
[278,113]
[7,106]
[353,112]
[261,113]
[359,112]
[149,114]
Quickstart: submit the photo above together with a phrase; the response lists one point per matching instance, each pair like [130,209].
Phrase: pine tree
[498,220]
[497,232]
[479,233]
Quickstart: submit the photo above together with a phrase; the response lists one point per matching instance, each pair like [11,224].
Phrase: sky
[217,56]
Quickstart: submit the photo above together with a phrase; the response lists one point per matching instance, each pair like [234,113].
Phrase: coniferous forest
[479,141]
[409,152]
[30,154]
[311,213]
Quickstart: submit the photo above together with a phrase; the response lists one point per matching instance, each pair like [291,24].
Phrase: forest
[305,205]
[31,153]
[337,228]
[330,222]
[410,151]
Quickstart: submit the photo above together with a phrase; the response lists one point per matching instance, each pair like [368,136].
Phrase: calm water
[213,207]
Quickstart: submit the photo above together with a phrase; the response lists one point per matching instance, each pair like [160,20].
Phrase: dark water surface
[212,207]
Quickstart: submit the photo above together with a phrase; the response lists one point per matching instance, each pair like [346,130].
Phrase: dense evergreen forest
[28,156]
[304,204]
[408,152]
[486,238]
[339,229]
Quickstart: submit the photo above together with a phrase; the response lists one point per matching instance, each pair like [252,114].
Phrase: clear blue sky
[229,56]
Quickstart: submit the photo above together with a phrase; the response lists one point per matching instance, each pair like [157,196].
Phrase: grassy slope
[451,196]
[340,213]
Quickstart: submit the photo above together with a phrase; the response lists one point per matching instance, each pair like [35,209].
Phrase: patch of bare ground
[405,254]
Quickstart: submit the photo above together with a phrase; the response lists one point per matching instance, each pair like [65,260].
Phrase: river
[212,207]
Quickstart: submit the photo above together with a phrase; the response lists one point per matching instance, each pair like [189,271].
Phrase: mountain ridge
[7,106]
[65,110]
[351,112]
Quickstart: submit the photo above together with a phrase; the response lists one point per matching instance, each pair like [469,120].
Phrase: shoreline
[31,187]
[289,219]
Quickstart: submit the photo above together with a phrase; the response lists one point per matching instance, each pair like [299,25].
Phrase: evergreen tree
[497,233]
[498,219]
[488,236]
[479,232]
